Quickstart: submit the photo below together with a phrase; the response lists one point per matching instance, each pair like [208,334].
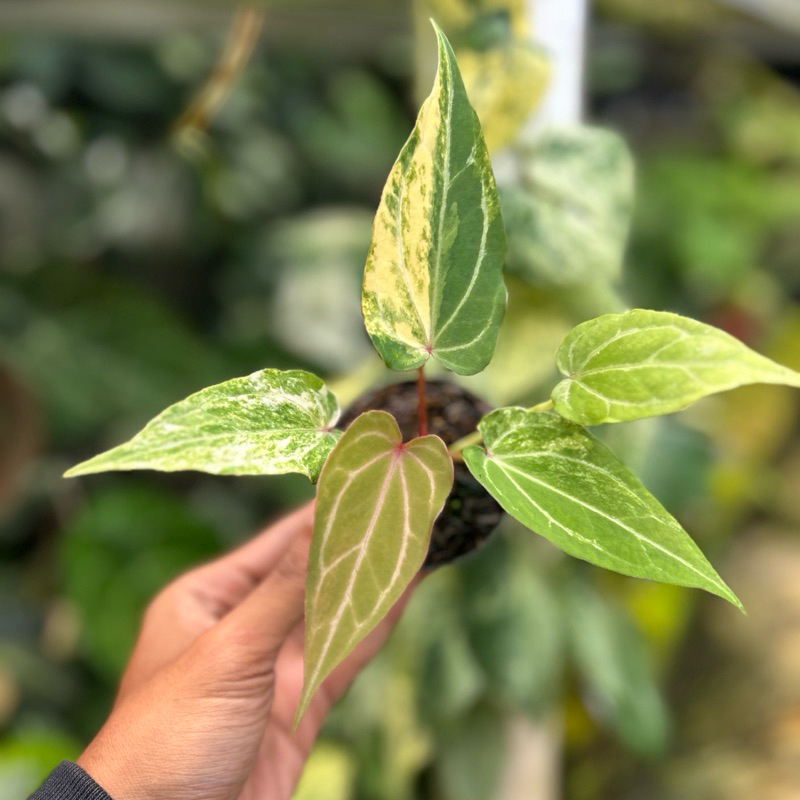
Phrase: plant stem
[422,406]
[475,437]
[471,438]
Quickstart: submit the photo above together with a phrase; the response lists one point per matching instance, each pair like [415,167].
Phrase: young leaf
[433,281]
[561,482]
[643,363]
[268,423]
[568,219]
[377,500]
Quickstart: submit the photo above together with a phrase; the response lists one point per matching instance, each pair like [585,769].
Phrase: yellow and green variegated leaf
[561,482]
[569,216]
[505,84]
[268,423]
[643,363]
[433,281]
[377,500]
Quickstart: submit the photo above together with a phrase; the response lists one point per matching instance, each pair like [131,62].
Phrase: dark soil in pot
[470,513]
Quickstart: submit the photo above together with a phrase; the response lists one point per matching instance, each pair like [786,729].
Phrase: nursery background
[186,196]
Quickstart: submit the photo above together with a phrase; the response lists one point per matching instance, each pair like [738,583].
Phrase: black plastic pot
[470,513]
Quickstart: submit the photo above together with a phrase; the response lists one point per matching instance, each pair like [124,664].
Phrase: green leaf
[614,664]
[513,622]
[561,482]
[268,423]
[448,679]
[433,281]
[643,363]
[569,217]
[377,500]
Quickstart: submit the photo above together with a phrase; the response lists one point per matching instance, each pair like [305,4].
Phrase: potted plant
[433,291]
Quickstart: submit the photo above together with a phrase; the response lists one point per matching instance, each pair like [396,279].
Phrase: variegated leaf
[269,423]
[561,482]
[377,500]
[569,217]
[533,315]
[643,363]
[505,84]
[433,281]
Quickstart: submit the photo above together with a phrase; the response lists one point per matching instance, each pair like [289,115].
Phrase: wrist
[111,768]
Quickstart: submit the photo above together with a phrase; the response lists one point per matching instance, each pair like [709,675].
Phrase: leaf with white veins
[433,282]
[644,363]
[268,423]
[377,500]
[559,481]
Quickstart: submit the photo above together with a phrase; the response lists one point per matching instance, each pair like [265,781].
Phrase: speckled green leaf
[561,482]
[433,281]
[377,500]
[643,363]
[569,216]
[268,423]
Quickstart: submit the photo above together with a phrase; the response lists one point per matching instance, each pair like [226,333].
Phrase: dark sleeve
[69,782]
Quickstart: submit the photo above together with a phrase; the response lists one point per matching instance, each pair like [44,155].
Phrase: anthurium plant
[433,291]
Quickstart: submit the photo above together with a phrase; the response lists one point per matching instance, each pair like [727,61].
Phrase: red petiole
[422,408]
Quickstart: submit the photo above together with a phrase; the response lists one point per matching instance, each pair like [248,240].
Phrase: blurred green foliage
[133,272]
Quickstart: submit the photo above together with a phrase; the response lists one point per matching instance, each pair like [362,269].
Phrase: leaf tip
[724,592]
[84,468]
[733,600]
[441,36]
[302,707]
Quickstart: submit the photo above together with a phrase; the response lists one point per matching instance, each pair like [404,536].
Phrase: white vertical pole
[533,759]
[559,26]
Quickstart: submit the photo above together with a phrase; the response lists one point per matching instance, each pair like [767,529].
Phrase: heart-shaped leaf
[268,423]
[643,363]
[377,500]
[568,218]
[433,281]
[561,482]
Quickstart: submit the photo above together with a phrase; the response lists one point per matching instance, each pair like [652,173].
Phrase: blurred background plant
[186,195]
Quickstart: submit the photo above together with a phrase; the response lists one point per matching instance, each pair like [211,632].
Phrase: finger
[256,629]
[231,578]
[196,601]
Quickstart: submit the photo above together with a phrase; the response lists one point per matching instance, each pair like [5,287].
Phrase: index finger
[246,567]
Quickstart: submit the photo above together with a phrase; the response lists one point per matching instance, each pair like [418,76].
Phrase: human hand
[206,704]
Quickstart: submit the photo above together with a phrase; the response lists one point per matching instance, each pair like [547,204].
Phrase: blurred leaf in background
[612,665]
[127,543]
[504,72]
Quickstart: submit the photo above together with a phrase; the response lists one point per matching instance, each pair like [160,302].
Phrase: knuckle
[170,598]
